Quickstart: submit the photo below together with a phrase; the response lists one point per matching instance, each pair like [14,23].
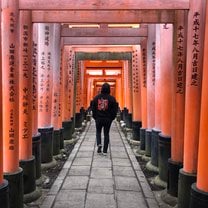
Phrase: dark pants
[105,124]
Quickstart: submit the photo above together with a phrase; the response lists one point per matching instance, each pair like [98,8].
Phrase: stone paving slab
[127,183]
[85,154]
[101,185]
[101,172]
[79,171]
[66,199]
[82,161]
[100,201]
[123,171]
[75,182]
[128,199]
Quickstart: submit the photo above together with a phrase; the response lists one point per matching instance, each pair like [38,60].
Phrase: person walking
[104,109]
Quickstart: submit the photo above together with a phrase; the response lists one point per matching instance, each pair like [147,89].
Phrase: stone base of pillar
[29,180]
[184,188]
[157,181]
[4,194]
[121,115]
[33,196]
[151,167]
[61,139]
[67,129]
[173,174]
[142,138]
[154,147]
[78,120]
[136,125]
[73,125]
[198,198]
[125,114]
[129,120]
[164,154]
[88,117]
[36,151]
[46,144]
[15,188]
[52,164]
[168,199]
[148,137]
[56,141]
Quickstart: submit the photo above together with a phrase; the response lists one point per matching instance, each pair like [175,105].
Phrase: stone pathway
[90,180]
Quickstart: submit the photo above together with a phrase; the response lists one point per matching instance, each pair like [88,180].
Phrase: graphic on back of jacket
[102,104]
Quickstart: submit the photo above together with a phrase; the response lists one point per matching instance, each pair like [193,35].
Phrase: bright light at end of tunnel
[112,72]
[94,72]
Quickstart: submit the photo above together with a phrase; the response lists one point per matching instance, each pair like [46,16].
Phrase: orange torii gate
[158,12]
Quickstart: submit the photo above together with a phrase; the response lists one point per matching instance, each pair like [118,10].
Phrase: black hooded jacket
[104,105]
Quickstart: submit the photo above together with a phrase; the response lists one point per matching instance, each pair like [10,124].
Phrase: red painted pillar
[25,86]
[199,193]
[1,123]
[136,118]
[194,64]
[36,145]
[166,64]
[45,86]
[78,102]
[151,63]
[128,95]
[27,160]
[178,104]
[153,164]
[67,90]
[4,196]
[10,114]
[56,88]
[143,75]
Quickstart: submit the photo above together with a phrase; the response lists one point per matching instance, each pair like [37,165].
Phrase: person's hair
[105,88]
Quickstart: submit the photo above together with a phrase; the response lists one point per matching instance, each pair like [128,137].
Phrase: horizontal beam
[102,5]
[101,48]
[101,41]
[116,16]
[104,32]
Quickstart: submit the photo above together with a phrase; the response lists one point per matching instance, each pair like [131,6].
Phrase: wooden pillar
[25,86]
[178,104]
[195,40]
[1,105]
[27,160]
[56,87]
[153,164]
[151,58]
[78,102]
[36,145]
[143,75]
[128,94]
[136,117]
[10,93]
[45,86]
[194,64]
[166,55]
[151,64]
[67,91]
[4,196]
[61,94]
[199,193]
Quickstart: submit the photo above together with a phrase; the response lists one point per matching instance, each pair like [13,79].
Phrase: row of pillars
[38,84]
[169,74]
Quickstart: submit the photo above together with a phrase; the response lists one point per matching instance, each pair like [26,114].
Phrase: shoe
[99,149]
[104,153]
